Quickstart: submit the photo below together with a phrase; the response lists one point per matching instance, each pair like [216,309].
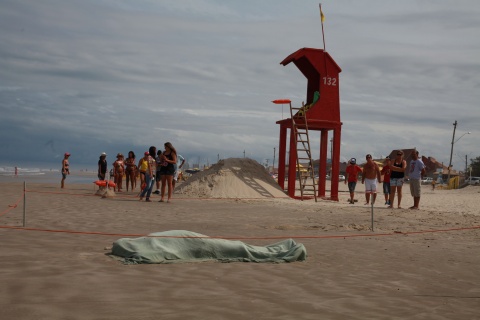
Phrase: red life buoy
[103,183]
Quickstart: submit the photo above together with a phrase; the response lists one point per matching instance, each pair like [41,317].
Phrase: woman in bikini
[118,171]
[167,171]
[131,170]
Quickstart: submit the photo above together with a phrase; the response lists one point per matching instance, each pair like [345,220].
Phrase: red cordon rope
[241,238]
[135,196]
[11,207]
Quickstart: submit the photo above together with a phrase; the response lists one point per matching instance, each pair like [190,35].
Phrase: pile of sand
[232,178]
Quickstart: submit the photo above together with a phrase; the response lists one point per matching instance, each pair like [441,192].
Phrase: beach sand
[421,264]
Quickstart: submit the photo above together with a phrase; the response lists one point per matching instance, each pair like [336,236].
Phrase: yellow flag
[322,17]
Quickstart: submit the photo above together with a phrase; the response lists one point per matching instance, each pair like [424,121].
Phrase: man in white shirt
[181,160]
[416,173]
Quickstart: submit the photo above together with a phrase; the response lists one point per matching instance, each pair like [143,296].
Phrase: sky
[88,76]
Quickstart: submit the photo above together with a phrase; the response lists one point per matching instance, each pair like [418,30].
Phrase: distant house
[433,166]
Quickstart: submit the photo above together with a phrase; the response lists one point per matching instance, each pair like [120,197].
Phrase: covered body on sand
[185,246]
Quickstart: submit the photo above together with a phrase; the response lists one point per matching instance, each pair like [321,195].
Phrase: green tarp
[185,246]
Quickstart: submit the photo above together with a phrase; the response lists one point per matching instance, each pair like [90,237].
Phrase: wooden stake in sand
[24,204]
[372,214]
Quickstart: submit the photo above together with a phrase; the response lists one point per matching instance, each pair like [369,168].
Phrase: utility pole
[451,151]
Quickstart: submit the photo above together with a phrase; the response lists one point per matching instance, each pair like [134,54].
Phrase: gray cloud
[115,76]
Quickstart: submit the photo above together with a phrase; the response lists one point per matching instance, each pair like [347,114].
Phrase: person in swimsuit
[142,168]
[167,170]
[397,178]
[131,170]
[370,176]
[118,171]
[65,168]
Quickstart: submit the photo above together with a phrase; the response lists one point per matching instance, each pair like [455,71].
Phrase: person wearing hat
[386,172]
[352,172]
[102,166]
[118,171]
[65,168]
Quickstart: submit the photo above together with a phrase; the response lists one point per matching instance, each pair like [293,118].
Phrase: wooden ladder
[308,188]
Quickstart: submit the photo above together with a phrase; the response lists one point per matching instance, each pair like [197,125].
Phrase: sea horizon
[44,173]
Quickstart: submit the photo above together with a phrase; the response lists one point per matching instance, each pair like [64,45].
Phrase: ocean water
[42,175]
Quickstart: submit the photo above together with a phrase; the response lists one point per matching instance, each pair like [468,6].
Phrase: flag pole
[322,18]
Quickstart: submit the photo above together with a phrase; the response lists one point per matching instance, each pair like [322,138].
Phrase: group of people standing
[393,178]
[154,167]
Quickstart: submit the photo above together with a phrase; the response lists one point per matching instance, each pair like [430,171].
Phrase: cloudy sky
[87,76]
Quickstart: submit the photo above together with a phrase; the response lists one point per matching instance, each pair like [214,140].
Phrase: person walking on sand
[178,171]
[386,172]
[397,178]
[416,173]
[142,169]
[352,172]
[149,176]
[65,168]
[370,175]
[131,170]
[169,158]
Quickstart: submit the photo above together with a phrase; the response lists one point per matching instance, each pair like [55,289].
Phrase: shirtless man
[370,175]
[65,168]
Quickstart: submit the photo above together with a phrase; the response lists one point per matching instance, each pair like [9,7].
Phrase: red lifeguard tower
[322,113]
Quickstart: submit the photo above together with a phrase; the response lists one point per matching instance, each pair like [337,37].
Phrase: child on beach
[386,172]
